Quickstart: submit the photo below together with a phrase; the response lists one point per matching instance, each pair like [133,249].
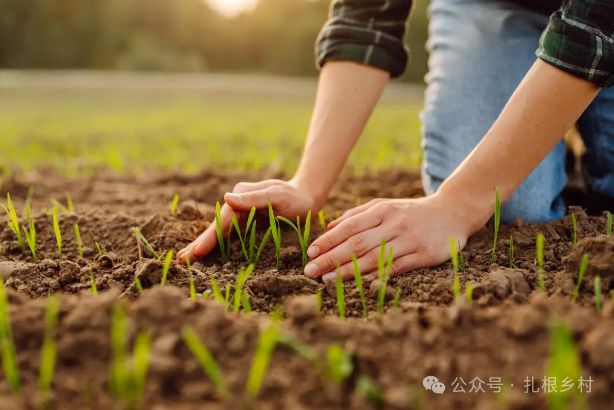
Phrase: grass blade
[48,354]
[190,278]
[7,347]
[93,287]
[339,364]
[215,289]
[78,239]
[141,358]
[174,204]
[275,233]
[322,219]
[219,232]
[265,240]
[56,230]
[205,359]
[13,221]
[609,222]
[539,252]
[581,272]
[240,283]
[140,237]
[262,357]
[166,267]
[340,295]
[360,287]
[511,252]
[598,295]
[237,228]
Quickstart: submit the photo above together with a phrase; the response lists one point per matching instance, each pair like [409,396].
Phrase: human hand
[419,231]
[286,197]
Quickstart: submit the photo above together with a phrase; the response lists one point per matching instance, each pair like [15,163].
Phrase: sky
[231,7]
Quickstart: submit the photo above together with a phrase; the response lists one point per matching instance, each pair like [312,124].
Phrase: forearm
[544,106]
[347,94]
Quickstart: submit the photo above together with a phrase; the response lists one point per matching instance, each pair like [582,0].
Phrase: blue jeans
[479,52]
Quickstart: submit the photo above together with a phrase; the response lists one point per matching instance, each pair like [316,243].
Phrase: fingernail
[313,251]
[329,277]
[311,269]
[233,197]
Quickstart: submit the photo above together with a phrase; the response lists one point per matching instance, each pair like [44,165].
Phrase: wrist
[312,190]
[472,210]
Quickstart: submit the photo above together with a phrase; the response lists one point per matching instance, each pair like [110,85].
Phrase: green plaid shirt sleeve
[580,40]
[366,31]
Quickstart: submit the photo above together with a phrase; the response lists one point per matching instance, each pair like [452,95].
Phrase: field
[499,330]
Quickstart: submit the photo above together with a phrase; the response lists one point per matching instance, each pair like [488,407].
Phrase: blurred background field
[184,85]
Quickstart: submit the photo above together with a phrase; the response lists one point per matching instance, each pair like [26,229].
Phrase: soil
[504,333]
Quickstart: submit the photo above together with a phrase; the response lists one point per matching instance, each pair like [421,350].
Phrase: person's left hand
[419,231]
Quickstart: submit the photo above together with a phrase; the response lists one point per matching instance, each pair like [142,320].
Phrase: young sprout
[303,236]
[227,296]
[30,233]
[49,348]
[7,347]
[240,283]
[93,287]
[98,248]
[609,222]
[174,204]
[574,232]
[339,364]
[248,245]
[139,285]
[564,363]
[456,286]
[497,223]
[262,357]
[247,305]
[322,219]
[13,221]
[359,286]
[396,302]
[469,294]
[78,239]
[369,389]
[219,232]
[275,233]
[205,359]
[319,301]
[511,255]
[215,289]
[383,274]
[141,356]
[166,267]
[190,277]
[539,252]
[340,295]
[141,239]
[56,230]
[70,206]
[581,272]
[598,295]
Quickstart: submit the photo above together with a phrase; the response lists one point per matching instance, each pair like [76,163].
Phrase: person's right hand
[286,197]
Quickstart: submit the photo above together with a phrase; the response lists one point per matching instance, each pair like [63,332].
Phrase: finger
[254,186]
[366,263]
[207,240]
[400,265]
[354,211]
[358,245]
[344,231]
[278,197]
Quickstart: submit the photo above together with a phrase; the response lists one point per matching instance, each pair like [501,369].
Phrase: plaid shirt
[579,38]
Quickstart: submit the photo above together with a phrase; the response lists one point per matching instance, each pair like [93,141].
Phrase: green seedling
[48,354]
[303,235]
[539,253]
[469,294]
[142,240]
[93,287]
[128,374]
[319,301]
[7,346]
[581,272]
[99,249]
[497,224]
[368,387]
[248,240]
[28,202]
[564,364]
[262,357]
[219,232]
[511,254]
[359,286]
[247,305]
[227,296]
[383,274]
[275,233]
[456,286]
[13,221]
[339,364]
[78,239]
[240,283]
[188,265]
[322,219]
[598,295]
[29,232]
[574,231]
[215,290]
[70,206]
[174,204]
[609,222]
[340,295]
[205,359]
[396,302]
[166,267]
[139,285]
[56,230]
